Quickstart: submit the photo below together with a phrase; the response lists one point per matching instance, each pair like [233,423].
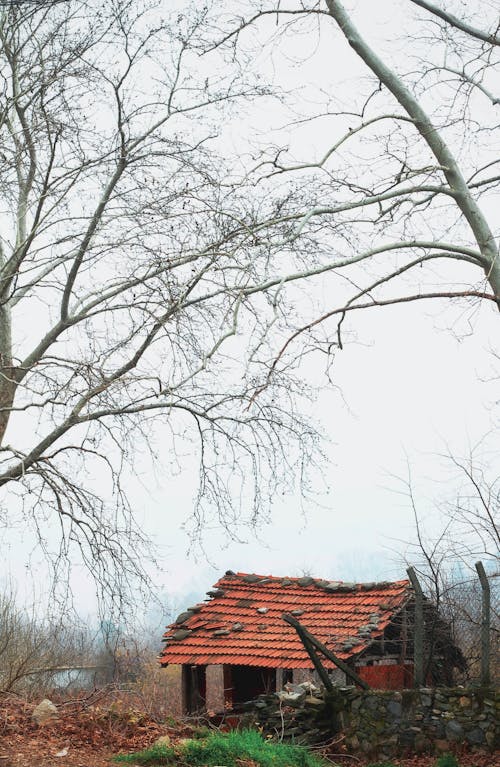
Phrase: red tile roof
[242,622]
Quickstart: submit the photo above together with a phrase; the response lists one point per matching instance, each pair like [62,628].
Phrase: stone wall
[420,720]
[385,723]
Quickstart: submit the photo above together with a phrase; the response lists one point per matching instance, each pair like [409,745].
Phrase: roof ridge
[307,580]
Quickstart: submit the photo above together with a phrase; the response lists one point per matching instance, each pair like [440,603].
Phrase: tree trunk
[434,140]
[8,382]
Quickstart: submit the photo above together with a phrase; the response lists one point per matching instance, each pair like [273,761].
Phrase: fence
[456,630]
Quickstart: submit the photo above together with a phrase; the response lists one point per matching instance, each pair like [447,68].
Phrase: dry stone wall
[385,723]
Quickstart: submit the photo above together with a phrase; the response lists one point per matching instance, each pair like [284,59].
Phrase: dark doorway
[196,688]
[250,681]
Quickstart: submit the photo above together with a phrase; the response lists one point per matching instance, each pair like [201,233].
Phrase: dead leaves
[85,736]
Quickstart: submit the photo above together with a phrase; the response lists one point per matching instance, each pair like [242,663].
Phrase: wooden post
[321,670]
[304,633]
[418,629]
[485,626]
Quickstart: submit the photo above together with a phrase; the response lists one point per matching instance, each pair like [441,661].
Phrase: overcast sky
[410,393]
[410,385]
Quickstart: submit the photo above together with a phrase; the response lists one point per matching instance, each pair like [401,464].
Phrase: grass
[232,749]
[446,760]
[227,749]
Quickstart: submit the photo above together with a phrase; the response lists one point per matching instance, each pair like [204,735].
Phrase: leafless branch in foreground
[149,276]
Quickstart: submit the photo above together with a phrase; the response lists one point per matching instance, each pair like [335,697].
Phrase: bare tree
[149,279]
[135,290]
[407,183]
[39,654]
[445,556]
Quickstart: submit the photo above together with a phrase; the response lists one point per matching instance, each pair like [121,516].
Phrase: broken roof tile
[341,615]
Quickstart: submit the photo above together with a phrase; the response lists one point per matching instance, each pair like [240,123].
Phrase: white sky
[411,392]
[412,386]
[408,390]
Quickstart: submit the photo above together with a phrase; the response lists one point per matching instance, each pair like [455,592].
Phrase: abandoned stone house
[236,645]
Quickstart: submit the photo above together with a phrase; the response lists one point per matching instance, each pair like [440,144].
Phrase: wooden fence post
[418,629]
[485,626]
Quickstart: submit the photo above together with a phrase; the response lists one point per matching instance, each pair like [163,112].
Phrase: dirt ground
[88,733]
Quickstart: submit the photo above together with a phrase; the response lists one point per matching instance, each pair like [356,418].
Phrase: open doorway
[248,682]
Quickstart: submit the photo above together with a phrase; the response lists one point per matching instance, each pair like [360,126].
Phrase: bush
[40,654]
[152,755]
[447,760]
[227,749]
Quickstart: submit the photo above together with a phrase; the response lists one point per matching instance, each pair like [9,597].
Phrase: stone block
[421,744]
[45,712]
[163,741]
[454,730]
[183,617]
[312,702]
[395,709]
[491,739]
[441,745]
[475,737]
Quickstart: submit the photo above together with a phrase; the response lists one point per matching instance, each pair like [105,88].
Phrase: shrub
[228,749]
[152,755]
[447,760]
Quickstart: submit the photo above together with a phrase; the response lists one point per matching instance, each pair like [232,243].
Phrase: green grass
[447,760]
[226,748]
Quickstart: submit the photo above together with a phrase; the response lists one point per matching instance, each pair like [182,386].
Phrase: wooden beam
[304,633]
[322,672]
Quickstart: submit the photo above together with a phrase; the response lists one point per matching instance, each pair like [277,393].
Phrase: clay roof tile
[341,615]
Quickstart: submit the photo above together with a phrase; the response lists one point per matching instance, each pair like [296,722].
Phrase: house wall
[284,676]
[218,688]
[220,683]
[176,703]
[387,677]
[223,685]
